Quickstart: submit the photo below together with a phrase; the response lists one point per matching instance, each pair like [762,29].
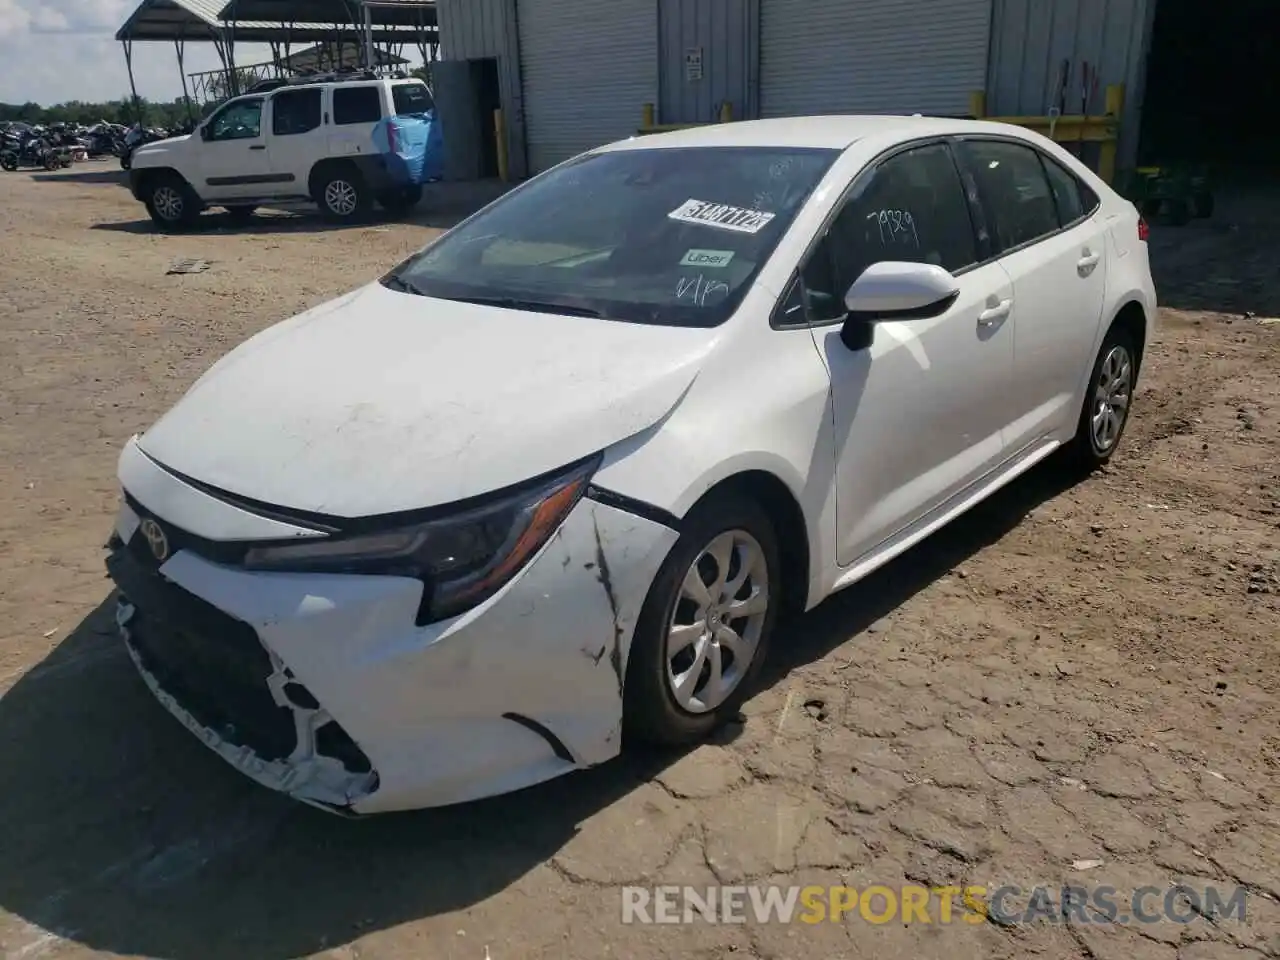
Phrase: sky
[52,51]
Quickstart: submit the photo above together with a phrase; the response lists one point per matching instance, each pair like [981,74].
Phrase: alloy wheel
[715,628]
[341,198]
[168,202]
[1111,396]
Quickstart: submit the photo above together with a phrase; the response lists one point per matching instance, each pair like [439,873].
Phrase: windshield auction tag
[706,258]
[721,215]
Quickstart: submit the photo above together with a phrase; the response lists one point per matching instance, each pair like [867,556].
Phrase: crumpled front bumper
[379,714]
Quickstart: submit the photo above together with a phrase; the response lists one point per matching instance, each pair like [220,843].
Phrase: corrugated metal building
[572,74]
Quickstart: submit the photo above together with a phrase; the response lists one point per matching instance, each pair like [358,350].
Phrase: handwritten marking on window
[895,225]
[698,289]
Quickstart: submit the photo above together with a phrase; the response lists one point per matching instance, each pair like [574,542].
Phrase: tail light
[1144,231]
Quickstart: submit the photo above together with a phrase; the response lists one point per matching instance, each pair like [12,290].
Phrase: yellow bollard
[978,104]
[500,141]
[647,117]
[726,112]
[1107,152]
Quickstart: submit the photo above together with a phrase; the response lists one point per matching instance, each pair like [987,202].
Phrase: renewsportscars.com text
[1007,905]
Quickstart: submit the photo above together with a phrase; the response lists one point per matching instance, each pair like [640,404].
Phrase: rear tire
[171,202]
[1108,401]
[9,162]
[342,195]
[677,652]
[402,200]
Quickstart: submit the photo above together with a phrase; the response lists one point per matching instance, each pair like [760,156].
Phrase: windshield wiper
[394,281]
[534,306]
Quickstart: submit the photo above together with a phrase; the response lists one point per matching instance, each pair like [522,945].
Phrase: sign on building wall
[693,64]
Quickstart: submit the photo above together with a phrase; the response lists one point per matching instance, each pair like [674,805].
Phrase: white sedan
[547,485]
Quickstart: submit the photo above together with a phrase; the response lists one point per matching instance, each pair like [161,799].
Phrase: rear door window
[411,97]
[295,111]
[1014,189]
[356,105]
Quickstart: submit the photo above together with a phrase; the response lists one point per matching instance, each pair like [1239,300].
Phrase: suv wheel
[342,195]
[171,203]
[401,201]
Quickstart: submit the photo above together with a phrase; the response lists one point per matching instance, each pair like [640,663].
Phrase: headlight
[462,558]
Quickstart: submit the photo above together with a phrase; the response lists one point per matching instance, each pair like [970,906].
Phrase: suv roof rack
[302,79]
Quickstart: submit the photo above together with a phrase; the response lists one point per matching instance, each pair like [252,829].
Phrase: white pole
[369,59]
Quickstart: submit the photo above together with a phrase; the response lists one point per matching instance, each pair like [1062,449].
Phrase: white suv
[304,141]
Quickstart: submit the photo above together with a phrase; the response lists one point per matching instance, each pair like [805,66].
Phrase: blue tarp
[413,146]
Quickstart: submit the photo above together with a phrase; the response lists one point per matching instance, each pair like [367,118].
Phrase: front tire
[1107,401]
[703,632]
[171,203]
[9,162]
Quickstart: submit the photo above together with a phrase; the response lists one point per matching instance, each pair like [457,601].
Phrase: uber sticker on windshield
[721,215]
[706,258]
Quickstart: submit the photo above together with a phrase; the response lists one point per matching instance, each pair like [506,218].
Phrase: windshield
[668,236]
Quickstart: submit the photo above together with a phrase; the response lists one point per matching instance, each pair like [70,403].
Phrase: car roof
[832,132]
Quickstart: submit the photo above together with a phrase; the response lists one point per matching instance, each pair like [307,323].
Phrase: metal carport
[397,22]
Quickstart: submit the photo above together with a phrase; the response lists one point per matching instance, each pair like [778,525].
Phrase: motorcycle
[136,137]
[30,150]
[105,139]
[68,141]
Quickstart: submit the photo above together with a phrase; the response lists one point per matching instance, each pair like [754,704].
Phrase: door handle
[258,146]
[993,315]
[1087,262]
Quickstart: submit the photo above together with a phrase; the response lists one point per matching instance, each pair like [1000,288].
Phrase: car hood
[383,401]
[160,146]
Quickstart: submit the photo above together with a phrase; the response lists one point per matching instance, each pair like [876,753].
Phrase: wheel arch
[789,525]
[145,176]
[1131,317]
[327,167]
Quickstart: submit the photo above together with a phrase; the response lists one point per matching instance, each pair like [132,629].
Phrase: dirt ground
[1071,673]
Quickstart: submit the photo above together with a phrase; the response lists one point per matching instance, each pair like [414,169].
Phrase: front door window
[238,121]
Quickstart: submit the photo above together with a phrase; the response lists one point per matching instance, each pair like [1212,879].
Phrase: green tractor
[1173,194]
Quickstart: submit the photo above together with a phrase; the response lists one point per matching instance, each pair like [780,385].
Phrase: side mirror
[895,290]
[206,132]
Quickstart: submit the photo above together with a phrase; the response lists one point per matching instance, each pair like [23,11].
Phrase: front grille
[211,663]
[227,553]
[214,665]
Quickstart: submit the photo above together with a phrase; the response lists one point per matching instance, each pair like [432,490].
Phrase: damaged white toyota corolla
[547,485]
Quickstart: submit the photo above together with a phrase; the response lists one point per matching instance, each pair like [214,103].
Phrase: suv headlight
[462,558]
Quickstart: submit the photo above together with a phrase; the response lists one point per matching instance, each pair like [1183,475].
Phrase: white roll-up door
[872,56]
[587,68]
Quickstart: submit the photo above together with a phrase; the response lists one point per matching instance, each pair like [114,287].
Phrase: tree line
[154,113]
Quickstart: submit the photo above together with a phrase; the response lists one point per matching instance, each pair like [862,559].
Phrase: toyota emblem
[156,539]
